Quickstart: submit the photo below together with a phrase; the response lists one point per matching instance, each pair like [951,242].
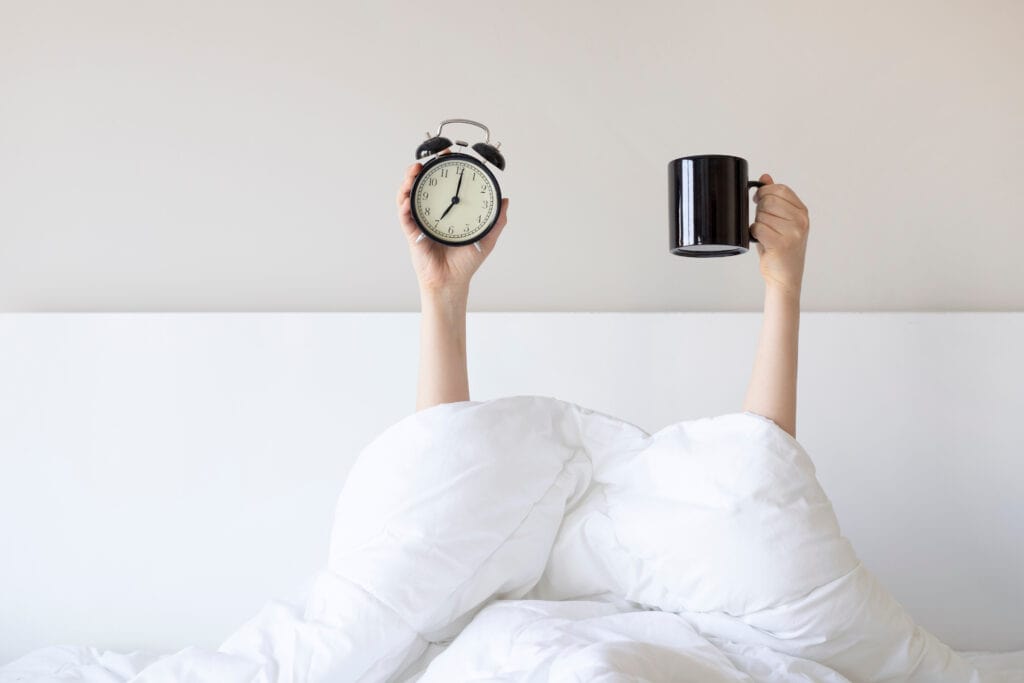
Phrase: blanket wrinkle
[525,517]
[376,598]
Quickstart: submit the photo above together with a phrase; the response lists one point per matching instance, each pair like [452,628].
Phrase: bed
[167,474]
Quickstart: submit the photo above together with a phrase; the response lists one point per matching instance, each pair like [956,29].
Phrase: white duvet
[531,539]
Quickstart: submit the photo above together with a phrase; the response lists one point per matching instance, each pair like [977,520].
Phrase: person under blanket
[781,226]
[530,539]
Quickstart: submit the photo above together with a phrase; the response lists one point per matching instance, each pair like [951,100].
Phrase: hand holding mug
[780,227]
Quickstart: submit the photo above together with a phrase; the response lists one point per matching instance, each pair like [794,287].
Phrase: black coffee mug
[708,205]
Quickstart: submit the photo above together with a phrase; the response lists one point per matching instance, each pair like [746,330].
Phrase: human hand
[781,227]
[440,267]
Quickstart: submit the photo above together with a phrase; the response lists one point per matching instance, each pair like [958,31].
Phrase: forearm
[772,390]
[443,376]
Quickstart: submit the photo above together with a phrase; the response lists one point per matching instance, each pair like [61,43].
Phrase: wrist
[453,297]
[778,290]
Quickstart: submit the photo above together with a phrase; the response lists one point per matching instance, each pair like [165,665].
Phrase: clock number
[479,220]
[444,172]
[427,211]
[451,230]
[432,182]
[425,195]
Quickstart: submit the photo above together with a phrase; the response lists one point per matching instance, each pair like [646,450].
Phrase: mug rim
[735,250]
[707,156]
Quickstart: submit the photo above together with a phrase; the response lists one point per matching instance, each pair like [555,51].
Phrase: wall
[244,156]
[165,475]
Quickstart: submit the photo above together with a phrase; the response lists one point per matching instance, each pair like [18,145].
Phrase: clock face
[455,199]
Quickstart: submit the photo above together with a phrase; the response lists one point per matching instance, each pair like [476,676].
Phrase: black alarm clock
[455,198]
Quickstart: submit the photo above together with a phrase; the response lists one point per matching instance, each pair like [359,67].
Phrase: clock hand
[449,208]
[455,199]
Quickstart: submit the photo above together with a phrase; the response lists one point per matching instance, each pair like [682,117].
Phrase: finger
[782,226]
[781,207]
[491,238]
[764,233]
[411,172]
[780,198]
[405,219]
[765,179]
[407,182]
[779,190]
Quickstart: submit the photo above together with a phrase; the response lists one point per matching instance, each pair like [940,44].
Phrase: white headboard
[165,474]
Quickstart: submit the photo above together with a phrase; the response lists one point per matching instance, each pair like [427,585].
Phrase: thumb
[766,179]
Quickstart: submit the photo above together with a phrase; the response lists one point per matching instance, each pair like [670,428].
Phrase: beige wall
[244,156]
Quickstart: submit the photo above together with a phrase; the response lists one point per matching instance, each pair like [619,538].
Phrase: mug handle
[750,184]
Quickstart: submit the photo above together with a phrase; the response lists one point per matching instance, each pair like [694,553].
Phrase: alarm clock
[456,199]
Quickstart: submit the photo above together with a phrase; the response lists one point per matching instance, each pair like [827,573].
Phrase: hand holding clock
[441,267]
